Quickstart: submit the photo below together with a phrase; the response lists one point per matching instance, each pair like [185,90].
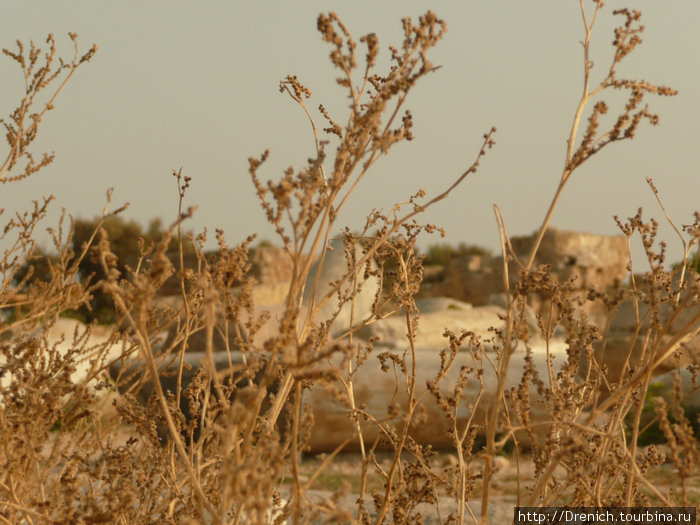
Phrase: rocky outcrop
[132,376]
[436,316]
[333,267]
[464,294]
[587,260]
[376,390]
[64,345]
[468,278]
[270,265]
[594,260]
[272,270]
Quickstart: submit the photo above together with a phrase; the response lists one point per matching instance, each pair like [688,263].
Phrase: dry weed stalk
[319,196]
[566,437]
[226,444]
[39,73]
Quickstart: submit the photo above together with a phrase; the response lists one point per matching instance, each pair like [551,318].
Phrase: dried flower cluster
[150,442]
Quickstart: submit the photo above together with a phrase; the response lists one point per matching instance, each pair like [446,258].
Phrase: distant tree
[263,243]
[124,238]
[693,262]
[442,253]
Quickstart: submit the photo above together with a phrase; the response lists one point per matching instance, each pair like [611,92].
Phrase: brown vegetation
[239,447]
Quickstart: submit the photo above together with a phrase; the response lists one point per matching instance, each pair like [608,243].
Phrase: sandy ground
[508,482]
[337,486]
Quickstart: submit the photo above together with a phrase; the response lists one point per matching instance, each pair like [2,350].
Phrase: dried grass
[225,447]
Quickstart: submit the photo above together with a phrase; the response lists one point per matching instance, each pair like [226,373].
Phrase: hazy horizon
[177,84]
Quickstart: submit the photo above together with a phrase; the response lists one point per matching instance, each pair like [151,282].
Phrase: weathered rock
[436,316]
[335,266]
[133,371]
[624,318]
[375,390]
[500,300]
[224,336]
[469,278]
[621,350]
[269,296]
[99,345]
[597,260]
[94,348]
[265,294]
[272,270]
[270,265]
[132,376]
[225,333]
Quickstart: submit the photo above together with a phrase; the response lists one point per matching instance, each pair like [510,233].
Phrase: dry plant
[601,464]
[159,442]
[40,72]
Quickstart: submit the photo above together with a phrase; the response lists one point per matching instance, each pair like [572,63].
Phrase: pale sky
[195,85]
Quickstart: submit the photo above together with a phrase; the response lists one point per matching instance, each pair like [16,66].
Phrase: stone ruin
[598,261]
[465,293]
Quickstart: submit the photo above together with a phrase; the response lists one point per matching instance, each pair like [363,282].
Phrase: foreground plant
[226,447]
[265,427]
[566,435]
[40,72]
